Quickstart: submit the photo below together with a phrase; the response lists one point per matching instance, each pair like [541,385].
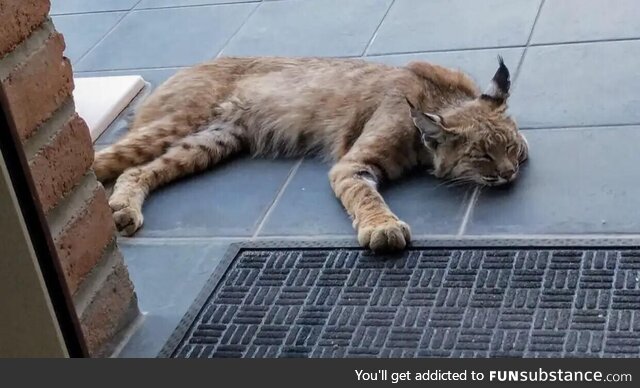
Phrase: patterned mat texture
[489,302]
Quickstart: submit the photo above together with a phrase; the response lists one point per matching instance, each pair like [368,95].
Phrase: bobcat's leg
[355,184]
[137,147]
[385,149]
[191,154]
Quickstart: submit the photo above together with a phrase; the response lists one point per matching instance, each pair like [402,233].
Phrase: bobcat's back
[288,106]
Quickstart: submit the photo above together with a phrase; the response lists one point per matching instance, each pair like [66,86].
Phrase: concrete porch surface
[575,93]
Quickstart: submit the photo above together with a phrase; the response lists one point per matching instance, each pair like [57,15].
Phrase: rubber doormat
[541,298]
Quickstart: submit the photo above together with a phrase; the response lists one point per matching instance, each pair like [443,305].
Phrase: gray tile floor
[576,94]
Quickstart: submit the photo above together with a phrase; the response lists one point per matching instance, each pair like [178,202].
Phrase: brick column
[37,82]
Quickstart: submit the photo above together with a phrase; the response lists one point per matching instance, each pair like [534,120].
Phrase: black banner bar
[323,373]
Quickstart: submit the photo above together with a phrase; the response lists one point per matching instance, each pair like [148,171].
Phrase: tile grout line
[233,239]
[352,237]
[526,47]
[124,14]
[436,51]
[587,41]
[131,69]
[469,210]
[279,195]
[368,56]
[199,5]
[88,12]
[236,32]
[581,126]
[516,46]
[375,32]
[258,3]
[149,8]
[107,33]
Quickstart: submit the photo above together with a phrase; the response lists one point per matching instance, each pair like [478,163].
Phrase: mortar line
[375,32]
[469,210]
[266,215]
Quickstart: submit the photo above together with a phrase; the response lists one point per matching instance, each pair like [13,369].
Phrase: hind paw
[128,220]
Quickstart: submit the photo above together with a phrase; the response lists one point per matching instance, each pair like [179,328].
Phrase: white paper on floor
[99,100]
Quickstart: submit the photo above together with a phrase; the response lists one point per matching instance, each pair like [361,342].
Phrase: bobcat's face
[482,145]
[476,141]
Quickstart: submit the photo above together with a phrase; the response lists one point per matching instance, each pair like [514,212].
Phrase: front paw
[128,220]
[388,235]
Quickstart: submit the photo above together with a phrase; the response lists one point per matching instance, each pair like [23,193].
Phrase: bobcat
[374,121]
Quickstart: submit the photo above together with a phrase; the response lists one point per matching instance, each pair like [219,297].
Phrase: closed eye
[514,149]
[522,153]
[483,158]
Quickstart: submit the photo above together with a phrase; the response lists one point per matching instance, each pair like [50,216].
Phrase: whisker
[447,182]
[457,182]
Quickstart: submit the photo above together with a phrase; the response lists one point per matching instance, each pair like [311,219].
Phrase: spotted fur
[373,121]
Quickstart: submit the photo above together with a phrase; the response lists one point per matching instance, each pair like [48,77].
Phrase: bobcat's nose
[508,174]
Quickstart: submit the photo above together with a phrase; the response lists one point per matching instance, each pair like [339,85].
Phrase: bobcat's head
[475,141]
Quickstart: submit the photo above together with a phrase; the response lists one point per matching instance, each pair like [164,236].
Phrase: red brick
[62,162]
[18,18]
[112,308]
[83,236]
[38,85]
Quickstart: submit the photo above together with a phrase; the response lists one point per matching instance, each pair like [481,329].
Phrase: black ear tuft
[498,90]
[502,77]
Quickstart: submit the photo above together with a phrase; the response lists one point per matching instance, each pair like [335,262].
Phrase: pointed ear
[430,125]
[498,90]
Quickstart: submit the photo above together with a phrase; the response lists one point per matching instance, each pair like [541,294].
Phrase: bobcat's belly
[290,123]
[302,110]
[290,133]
